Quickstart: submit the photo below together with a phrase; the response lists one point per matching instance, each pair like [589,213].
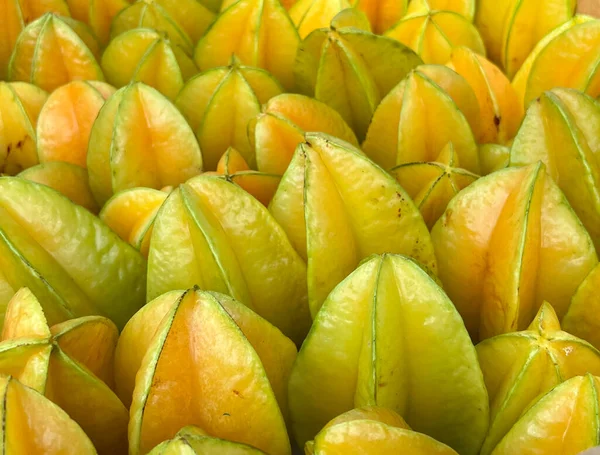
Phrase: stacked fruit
[255,226]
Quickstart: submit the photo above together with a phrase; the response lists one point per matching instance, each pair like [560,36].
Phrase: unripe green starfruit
[432,185]
[505,244]
[191,440]
[142,54]
[20,105]
[565,417]
[218,105]
[140,139]
[372,430]
[201,358]
[58,362]
[562,129]
[44,42]
[33,424]
[511,29]
[566,57]
[70,260]
[259,32]
[338,207]
[211,233]
[388,336]
[519,367]
[68,179]
[351,70]
[279,128]
[131,214]
[432,106]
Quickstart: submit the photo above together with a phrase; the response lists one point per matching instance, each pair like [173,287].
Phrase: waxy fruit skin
[72,262]
[518,367]
[372,430]
[33,424]
[265,37]
[351,70]
[219,103]
[566,417]
[512,28]
[433,184]
[431,107]
[566,57]
[68,179]
[178,342]
[562,129]
[279,128]
[143,54]
[583,317]
[337,207]
[382,14]
[44,42]
[20,105]
[211,233]
[388,336]
[70,363]
[140,139]
[65,121]
[191,440]
[505,244]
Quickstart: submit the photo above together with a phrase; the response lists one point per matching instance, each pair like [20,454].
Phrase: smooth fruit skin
[502,248]
[33,424]
[582,317]
[201,370]
[69,259]
[519,367]
[562,129]
[45,42]
[382,14]
[565,417]
[337,207]
[213,234]
[386,336]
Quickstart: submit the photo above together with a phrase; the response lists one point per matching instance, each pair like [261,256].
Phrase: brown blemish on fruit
[497,121]
[238,393]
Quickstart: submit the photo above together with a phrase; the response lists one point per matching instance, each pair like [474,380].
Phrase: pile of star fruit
[248,227]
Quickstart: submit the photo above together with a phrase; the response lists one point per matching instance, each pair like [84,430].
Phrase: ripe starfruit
[583,317]
[70,363]
[499,107]
[351,70]
[218,105]
[505,244]
[277,131]
[388,336]
[465,8]
[101,15]
[338,207]
[20,105]
[373,430]
[259,32]
[140,139]
[183,22]
[565,418]
[432,185]
[33,424]
[191,440]
[144,55]
[567,57]
[382,14]
[259,184]
[131,213]
[519,367]
[311,15]
[512,28]
[562,129]
[44,42]
[430,108]
[68,179]
[69,259]
[211,233]
[433,34]
[202,358]
[65,122]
